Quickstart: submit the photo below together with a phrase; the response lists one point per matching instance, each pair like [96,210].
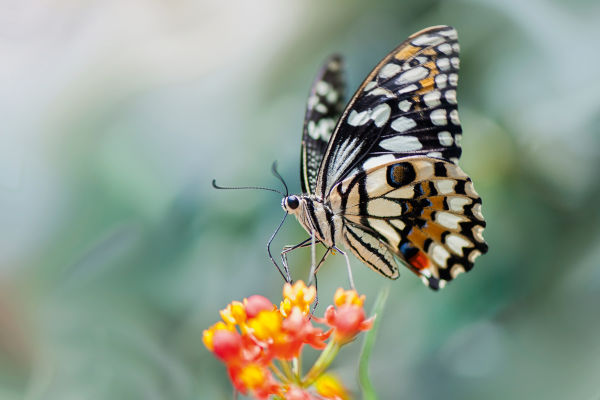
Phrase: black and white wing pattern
[421,209]
[324,108]
[390,168]
[406,106]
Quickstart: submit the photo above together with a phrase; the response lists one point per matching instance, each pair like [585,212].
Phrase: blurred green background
[115,252]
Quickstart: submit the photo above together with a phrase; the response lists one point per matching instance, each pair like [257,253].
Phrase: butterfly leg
[313,277]
[287,249]
[350,278]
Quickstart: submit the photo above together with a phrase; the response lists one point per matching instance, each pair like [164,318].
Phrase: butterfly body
[380,176]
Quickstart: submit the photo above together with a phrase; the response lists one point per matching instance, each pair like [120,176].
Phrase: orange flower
[208,334]
[347,321]
[257,303]
[297,295]
[254,333]
[256,379]
[234,313]
[330,387]
[349,297]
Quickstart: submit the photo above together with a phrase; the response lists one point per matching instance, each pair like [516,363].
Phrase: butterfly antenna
[214,184]
[286,275]
[278,176]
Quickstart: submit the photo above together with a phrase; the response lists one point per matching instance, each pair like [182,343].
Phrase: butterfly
[380,176]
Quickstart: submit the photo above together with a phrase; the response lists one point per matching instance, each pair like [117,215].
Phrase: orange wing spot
[429,52]
[428,83]
[434,231]
[407,52]
[417,238]
[419,261]
[437,202]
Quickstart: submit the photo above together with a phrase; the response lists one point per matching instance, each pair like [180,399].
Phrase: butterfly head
[291,204]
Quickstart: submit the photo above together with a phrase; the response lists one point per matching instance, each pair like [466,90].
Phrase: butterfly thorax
[315,216]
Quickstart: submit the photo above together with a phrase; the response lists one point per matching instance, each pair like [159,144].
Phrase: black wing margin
[323,110]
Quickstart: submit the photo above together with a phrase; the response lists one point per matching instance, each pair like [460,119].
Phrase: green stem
[363,367]
[324,360]
[287,370]
[277,373]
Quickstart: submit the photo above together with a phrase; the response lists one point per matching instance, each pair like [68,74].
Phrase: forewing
[324,107]
[424,210]
[405,107]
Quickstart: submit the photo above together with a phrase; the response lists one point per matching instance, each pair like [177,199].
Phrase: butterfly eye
[293,202]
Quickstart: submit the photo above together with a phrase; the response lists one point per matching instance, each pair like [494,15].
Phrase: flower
[348,318]
[330,387]
[254,333]
[297,295]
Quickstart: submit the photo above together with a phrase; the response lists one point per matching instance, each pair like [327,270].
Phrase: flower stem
[324,360]
[277,373]
[287,370]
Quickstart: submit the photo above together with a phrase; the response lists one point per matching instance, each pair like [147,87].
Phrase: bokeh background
[115,252]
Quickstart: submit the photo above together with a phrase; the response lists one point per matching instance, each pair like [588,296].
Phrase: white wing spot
[453,79]
[321,108]
[405,192]
[478,233]
[455,62]
[427,40]
[412,75]
[456,47]
[451,96]
[439,254]
[312,102]
[378,160]
[408,89]
[458,139]
[443,64]
[401,143]
[445,48]
[457,204]
[441,81]
[402,124]
[381,114]
[322,88]
[398,223]
[358,118]
[432,99]
[404,105]
[434,154]
[477,211]
[438,117]
[448,220]
[454,117]
[381,207]
[445,186]
[332,97]
[380,92]
[445,138]
[370,86]
[456,270]
[451,34]
[456,243]
[389,70]
[473,255]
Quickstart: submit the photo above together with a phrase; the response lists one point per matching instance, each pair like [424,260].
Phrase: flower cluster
[261,344]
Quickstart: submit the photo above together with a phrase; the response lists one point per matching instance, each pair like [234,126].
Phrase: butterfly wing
[324,107]
[406,106]
[423,210]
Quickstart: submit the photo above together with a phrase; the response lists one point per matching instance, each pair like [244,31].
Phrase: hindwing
[424,210]
[324,107]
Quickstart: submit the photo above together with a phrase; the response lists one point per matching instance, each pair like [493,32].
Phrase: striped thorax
[316,216]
